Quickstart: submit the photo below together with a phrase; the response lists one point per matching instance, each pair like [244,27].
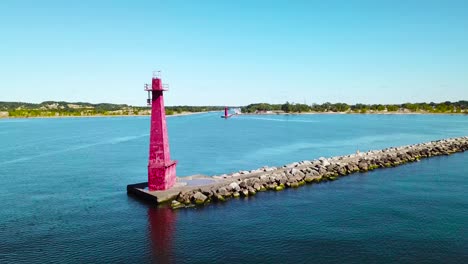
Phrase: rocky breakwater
[248,183]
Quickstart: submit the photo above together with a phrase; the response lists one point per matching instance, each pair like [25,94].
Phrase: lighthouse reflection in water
[161,225]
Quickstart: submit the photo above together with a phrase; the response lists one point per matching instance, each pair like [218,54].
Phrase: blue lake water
[63,192]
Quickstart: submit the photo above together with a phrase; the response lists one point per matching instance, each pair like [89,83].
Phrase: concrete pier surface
[201,190]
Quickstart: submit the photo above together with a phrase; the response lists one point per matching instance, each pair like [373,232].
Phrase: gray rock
[199,198]
[244,193]
[219,198]
[243,184]
[313,173]
[324,161]
[234,186]
[184,197]
[223,191]
[257,186]
[251,190]
[248,182]
[272,185]
[363,166]
[272,179]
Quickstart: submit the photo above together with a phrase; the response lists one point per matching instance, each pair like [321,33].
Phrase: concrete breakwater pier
[201,190]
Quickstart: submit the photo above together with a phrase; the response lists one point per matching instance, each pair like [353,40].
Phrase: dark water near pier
[62,192]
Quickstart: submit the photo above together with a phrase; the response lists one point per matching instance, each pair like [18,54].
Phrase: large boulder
[251,190]
[249,182]
[281,179]
[218,197]
[310,178]
[223,191]
[243,184]
[342,170]
[312,173]
[257,186]
[324,161]
[272,179]
[321,170]
[294,171]
[199,198]
[363,166]
[272,186]
[332,167]
[184,197]
[234,186]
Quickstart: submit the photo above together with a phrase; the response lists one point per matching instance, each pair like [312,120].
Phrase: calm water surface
[63,198]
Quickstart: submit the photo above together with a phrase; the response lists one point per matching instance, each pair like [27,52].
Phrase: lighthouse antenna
[157,74]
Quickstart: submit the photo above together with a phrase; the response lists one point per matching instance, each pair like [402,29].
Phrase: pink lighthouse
[161,169]
[226,113]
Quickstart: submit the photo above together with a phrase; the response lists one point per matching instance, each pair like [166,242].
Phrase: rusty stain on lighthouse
[161,169]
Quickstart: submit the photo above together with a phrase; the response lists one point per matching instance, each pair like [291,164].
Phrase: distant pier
[200,190]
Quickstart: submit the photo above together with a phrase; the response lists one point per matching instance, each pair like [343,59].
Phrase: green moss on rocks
[177,205]
[308,179]
[220,198]
[317,180]
[199,202]
[279,188]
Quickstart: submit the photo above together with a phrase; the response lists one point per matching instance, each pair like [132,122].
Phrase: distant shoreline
[62,109]
[91,116]
[355,113]
[242,114]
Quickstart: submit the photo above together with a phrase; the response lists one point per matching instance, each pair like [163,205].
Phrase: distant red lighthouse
[161,169]
[226,113]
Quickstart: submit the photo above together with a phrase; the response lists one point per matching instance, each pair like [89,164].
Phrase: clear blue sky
[235,52]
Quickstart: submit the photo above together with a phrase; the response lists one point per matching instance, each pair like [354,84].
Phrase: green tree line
[61,108]
[443,107]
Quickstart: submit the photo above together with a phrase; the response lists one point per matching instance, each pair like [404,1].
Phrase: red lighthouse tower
[226,113]
[161,169]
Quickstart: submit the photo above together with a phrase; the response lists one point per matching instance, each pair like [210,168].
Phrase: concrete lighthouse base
[162,176]
[188,183]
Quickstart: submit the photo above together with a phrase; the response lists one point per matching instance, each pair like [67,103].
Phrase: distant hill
[61,108]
